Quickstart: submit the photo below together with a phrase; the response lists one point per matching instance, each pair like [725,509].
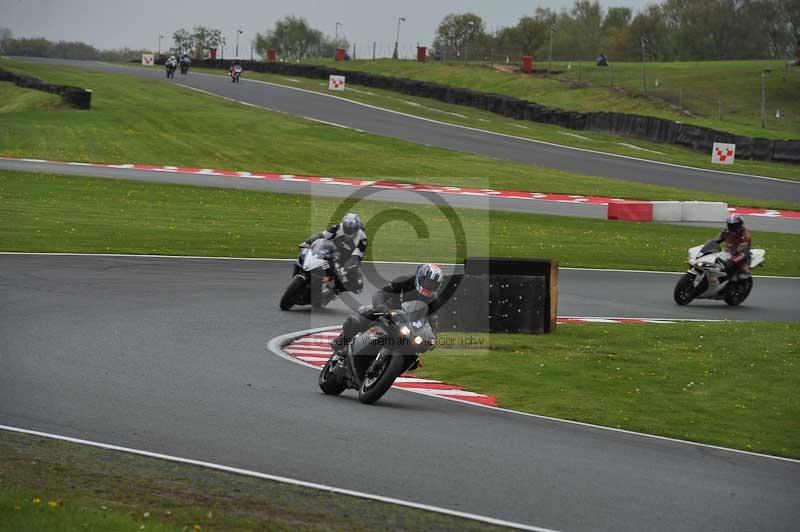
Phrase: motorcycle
[318,279]
[709,277]
[376,357]
[236,73]
[185,67]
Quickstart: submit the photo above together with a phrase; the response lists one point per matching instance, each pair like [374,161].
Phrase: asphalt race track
[169,355]
[372,120]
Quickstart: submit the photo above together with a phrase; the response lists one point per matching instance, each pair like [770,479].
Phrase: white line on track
[276,346]
[415,263]
[586,150]
[283,480]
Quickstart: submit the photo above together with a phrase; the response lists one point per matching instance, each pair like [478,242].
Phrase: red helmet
[735,223]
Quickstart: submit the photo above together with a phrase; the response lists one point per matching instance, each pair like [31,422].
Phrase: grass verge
[138,120]
[732,384]
[40,212]
[84,488]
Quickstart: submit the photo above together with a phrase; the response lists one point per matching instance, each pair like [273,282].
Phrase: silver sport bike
[709,276]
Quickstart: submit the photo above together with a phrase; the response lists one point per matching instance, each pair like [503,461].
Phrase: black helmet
[351,224]
[428,279]
[735,223]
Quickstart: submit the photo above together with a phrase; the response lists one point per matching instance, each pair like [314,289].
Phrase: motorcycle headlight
[405,330]
[418,340]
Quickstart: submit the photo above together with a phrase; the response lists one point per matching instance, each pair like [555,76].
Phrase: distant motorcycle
[376,357]
[236,73]
[170,66]
[185,63]
[708,277]
[318,279]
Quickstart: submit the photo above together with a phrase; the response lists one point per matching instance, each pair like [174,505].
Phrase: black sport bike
[376,357]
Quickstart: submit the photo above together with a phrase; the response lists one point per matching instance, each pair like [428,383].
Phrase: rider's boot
[339,346]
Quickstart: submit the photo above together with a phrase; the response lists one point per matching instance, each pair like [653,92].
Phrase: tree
[291,37]
[531,34]
[457,32]
[5,37]
[184,41]
[204,39]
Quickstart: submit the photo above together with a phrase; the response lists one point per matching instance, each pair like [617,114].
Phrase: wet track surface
[169,355]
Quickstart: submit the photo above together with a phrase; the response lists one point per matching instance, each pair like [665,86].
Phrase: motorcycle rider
[171,63]
[738,241]
[185,61]
[423,286]
[234,65]
[348,236]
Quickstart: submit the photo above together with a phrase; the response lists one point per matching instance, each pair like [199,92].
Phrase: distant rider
[171,63]
[737,240]
[236,64]
[423,286]
[185,61]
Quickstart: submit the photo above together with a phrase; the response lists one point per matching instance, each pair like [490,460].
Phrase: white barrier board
[667,211]
[704,211]
[723,153]
[147,59]
[336,83]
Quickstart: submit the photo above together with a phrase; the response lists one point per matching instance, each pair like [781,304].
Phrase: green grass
[137,120]
[735,83]
[55,213]
[102,490]
[466,116]
[732,384]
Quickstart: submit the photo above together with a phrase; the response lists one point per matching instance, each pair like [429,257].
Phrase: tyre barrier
[501,295]
[648,128]
[73,96]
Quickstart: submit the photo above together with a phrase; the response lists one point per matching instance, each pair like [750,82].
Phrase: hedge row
[644,127]
[74,96]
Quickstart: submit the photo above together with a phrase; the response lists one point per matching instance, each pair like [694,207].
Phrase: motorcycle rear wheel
[292,293]
[329,383]
[741,293]
[684,290]
[373,389]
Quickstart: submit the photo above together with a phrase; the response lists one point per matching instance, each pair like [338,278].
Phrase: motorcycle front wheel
[292,293]
[329,383]
[684,290]
[740,293]
[377,381]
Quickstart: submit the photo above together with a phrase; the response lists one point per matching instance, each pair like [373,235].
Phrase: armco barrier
[74,96]
[645,127]
[634,211]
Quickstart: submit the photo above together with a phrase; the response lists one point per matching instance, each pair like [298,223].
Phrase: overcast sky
[138,23]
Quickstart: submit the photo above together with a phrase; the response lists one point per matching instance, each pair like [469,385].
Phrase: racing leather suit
[738,244]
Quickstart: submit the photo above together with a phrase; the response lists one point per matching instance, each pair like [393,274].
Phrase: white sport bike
[708,278]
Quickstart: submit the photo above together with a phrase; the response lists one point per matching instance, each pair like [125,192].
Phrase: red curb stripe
[427,385]
[310,347]
[362,182]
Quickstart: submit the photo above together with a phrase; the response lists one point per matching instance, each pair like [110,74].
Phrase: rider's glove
[381,309]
